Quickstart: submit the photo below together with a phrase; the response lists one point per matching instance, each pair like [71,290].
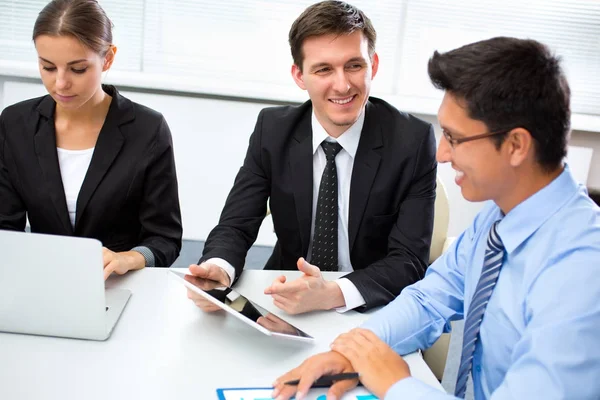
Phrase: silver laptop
[54,286]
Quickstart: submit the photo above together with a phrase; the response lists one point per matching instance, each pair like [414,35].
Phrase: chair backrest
[440,222]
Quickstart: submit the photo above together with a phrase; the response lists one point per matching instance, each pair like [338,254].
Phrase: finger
[298,285]
[265,323]
[109,269]
[366,333]
[308,269]
[281,391]
[207,306]
[199,270]
[279,280]
[338,389]
[350,350]
[283,300]
[107,257]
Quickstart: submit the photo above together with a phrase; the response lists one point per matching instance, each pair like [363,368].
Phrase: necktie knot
[331,149]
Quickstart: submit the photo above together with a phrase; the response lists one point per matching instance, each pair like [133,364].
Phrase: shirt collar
[523,220]
[348,140]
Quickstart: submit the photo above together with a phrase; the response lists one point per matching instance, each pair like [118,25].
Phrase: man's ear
[109,58]
[520,146]
[374,65]
[298,77]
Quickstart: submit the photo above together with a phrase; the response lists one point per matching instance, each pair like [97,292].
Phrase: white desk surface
[164,347]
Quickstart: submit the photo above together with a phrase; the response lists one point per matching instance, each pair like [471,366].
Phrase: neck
[94,107]
[526,186]
[333,130]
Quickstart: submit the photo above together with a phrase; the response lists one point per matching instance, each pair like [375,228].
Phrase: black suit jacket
[129,196]
[392,195]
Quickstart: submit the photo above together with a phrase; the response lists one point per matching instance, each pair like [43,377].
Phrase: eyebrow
[69,63]
[324,64]
[452,132]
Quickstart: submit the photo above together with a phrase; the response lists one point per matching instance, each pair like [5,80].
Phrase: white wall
[210,139]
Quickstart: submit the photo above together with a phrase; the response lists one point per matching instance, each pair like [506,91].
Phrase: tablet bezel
[179,275]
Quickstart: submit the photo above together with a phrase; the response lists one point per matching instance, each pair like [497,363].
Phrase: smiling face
[70,71]
[483,172]
[337,73]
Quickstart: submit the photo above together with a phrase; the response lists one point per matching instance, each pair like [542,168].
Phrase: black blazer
[129,196]
[392,195]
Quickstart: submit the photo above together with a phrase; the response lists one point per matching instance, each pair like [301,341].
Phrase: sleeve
[410,238]
[423,311]
[244,210]
[13,214]
[160,215]
[352,297]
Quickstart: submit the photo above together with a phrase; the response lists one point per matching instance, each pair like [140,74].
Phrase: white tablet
[242,308]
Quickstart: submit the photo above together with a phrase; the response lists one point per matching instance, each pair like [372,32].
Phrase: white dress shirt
[344,162]
[73,164]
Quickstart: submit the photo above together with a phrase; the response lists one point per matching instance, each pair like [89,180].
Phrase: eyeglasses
[455,142]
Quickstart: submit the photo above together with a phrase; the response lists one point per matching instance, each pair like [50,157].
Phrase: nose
[444,151]
[62,80]
[341,83]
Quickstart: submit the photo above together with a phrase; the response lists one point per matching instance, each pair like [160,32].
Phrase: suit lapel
[45,149]
[109,144]
[366,165]
[301,165]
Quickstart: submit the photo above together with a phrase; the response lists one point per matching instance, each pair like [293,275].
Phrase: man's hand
[378,365]
[312,369]
[308,293]
[207,277]
[121,262]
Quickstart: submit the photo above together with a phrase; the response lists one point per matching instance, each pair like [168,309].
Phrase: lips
[343,101]
[460,175]
[65,97]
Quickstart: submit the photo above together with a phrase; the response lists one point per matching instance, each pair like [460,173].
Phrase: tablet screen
[232,301]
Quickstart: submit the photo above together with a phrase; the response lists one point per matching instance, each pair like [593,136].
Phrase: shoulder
[389,114]
[23,109]
[286,115]
[577,223]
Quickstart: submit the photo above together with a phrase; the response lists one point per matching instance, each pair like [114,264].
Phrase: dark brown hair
[83,19]
[329,17]
[511,83]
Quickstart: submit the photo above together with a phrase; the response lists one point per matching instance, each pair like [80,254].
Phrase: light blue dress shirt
[540,336]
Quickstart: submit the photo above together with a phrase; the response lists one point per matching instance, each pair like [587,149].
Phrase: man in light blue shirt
[524,275]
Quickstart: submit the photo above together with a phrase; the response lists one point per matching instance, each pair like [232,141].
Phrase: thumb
[307,268]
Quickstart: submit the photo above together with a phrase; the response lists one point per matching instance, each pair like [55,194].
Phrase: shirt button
[478,368]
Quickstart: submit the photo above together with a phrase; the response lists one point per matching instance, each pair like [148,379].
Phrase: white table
[163,347]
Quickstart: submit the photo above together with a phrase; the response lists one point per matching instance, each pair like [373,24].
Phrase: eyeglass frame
[456,141]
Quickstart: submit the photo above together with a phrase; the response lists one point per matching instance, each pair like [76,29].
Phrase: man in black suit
[350,180]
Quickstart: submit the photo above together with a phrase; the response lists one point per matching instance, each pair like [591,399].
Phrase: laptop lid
[52,285]
[243,308]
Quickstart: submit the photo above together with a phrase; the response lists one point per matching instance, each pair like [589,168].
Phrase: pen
[327,380]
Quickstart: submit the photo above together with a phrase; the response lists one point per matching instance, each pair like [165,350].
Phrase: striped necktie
[492,264]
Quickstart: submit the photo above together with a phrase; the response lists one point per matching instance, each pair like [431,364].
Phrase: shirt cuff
[352,296]
[224,265]
[147,254]
[414,389]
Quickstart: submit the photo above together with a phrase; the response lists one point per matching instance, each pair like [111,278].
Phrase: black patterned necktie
[325,239]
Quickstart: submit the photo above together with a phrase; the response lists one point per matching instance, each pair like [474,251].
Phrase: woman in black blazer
[84,160]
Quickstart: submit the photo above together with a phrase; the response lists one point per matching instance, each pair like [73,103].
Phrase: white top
[344,162]
[73,168]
